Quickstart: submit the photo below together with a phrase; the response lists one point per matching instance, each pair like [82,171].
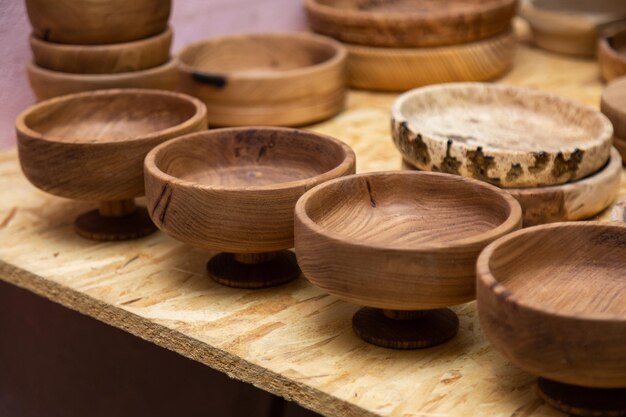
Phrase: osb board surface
[294,341]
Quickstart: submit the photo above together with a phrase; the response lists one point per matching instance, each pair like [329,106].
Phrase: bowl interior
[406,6]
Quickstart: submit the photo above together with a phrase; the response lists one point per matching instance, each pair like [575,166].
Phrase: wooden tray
[612,53]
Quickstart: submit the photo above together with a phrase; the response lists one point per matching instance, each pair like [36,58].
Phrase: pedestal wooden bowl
[91,146]
[551,299]
[281,79]
[404,244]
[612,53]
[234,190]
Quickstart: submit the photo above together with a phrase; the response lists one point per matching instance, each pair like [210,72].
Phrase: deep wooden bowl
[551,299]
[82,22]
[234,190]
[410,23]
[402,243]
[612,53]
[103,59]
[91,146]
[282,79]
[508,136]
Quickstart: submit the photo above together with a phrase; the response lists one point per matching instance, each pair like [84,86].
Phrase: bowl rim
[171,64]
[69,47]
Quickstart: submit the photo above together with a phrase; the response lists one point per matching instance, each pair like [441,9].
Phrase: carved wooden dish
[234,190]
[410,23]
[286,79]
[612,53]
[551,299]
[508,136]
[91,146]
[404,244]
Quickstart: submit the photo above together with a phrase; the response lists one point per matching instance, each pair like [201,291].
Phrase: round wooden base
[276,269]
[405,330]
[93,225]
[583,401]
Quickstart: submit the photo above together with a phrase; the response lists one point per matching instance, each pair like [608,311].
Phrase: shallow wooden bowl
[103,59]
[234,190]
[404,244]
[91,146]
[394,69]
[410,23]
[612,53]
[508,136]
[551,299]
[282,79]
[82,22]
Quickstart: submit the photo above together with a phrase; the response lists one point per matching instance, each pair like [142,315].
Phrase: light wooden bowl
[551,299]
[285,79]
[91,146]
[234,190]
[410,23]
[81,22]
[612,53]
[508,136]
[388,69]
[404,244]
[103,59]
[47,83]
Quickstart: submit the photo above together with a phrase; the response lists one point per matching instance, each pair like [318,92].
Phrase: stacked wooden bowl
[402,44]
[79,46]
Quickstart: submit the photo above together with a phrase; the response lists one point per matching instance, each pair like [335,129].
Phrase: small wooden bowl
[613,105]
[48,84]
[286,79]
[508,136]
[612,53]
[551,299]
[81,22]
[91,146]
[388,69]
[410,23]
[103,59]
[234,190]
[404,244]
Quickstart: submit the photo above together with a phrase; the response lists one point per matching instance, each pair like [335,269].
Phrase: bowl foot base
[583,401]
[93,225]
[273,269]
[405,330]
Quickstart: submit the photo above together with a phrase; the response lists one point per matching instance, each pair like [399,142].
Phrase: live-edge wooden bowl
[551,299]
[91,146]
[281,79]
[234,190]
[402,243]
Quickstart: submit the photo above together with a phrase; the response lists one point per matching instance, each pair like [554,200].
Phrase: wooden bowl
[551,299]
[402,243]
[612,53]
[613,105]
[388,69]
[81,22]
[410,23]
[47,83]
[508,136]
[286,79]
[234,190]
[620,145]
[103,59]
[91,146]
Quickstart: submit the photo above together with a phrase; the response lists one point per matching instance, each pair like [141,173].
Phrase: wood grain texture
[612,53]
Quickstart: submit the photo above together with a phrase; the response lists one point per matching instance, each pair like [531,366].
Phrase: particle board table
[294,341]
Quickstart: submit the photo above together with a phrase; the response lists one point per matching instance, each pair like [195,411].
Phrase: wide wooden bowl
[91,22]
[410,23]
[402,243]
[508,136]
[103,59]
[234,190]
[282,79]
[551,299]
[91,146]
[394,69]
[612,53]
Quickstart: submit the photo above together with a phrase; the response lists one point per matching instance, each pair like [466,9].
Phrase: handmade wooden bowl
[404,244]
[551,299]
[508,136]
[47,83]
[82,22]
[613,105]
[91,146]
[389,69]
[286,79]
[103,59]
[410,23]
[234,190]
[612,53]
